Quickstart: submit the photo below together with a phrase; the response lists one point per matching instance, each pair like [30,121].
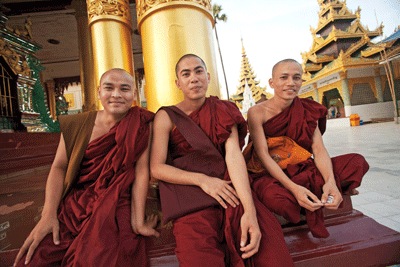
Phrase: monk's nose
[116,93]
[194,79]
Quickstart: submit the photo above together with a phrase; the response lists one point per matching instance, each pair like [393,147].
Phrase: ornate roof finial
[358,13]
[247,76]
[312,30]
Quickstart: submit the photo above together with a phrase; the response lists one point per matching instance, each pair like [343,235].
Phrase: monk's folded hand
[46,225]
[306,198]
[148,227]
[330,189]
[250,228]
[221,190]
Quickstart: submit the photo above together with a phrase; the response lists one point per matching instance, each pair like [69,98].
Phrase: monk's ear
[270,81]
[208,77]
[98,92]
[177,84]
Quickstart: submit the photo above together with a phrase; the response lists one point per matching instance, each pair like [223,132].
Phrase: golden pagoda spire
[247,75]
[339,30]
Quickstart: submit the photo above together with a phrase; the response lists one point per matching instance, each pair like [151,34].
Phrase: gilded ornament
[119,8]
[142,6]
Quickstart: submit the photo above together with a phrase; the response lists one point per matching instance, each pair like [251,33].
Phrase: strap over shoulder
[192,132]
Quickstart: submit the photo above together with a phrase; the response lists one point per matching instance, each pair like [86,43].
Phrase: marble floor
[379,143]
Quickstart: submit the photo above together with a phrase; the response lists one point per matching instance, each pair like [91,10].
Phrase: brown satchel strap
[192,132]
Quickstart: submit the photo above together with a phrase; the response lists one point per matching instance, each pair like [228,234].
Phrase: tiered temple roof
[247,75]
[391,45]
[339,35]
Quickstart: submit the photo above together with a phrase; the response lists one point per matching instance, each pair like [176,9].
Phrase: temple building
[24,103]
[248,78]
[52,54]
[342,68]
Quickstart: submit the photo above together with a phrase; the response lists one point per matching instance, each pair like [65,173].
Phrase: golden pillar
[51,98]
[316,92]
[88,82]
[111,30]
[169,30]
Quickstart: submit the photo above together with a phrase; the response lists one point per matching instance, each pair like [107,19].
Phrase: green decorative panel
[38,96]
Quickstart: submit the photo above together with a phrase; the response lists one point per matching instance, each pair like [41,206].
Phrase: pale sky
[273,30]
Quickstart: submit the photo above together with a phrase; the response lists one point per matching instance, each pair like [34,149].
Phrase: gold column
[170,29]
[88,82]
[51,98]
[111,29]
[378,84]
[316,93]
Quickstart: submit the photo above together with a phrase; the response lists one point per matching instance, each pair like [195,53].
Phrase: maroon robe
[95,216]
[211,237]
[299,122]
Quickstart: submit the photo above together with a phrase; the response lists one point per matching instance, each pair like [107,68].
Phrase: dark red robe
[299,122]
[95,216]
[211,237]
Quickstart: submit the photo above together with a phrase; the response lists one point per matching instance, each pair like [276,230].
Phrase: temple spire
[247,76]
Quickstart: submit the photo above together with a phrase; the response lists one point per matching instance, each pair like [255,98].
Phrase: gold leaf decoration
[144,5]
[119,8]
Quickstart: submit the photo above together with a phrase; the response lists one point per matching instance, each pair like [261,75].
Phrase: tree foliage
[217,14]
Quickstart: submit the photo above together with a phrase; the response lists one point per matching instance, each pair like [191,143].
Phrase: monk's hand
[221,190]
[330,189]
[148,227]
[306,198]
[249,227]
[46,225]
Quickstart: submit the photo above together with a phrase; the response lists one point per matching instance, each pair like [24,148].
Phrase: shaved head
[186,56]
[288,60]
[116,69]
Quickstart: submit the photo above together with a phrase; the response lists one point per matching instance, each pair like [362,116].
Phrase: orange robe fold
[95,215]
[299,122]
[211,237]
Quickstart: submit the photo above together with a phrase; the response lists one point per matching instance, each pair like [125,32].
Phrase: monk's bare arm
[238,174]
[49,221]
[55,181]
[139,195]
[159,150]
[324,164]
[237,170]
[255,118]
[162,171]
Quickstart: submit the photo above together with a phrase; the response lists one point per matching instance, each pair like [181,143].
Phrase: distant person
[96,191]
[288,183]
[332,112]
[235,231]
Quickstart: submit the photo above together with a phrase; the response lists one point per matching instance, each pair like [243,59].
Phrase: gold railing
[7,101]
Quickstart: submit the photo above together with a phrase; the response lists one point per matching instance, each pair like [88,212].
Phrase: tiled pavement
[379,143]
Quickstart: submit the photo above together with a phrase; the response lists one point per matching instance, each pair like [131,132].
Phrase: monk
[236,231]
[94,210]
[312,183]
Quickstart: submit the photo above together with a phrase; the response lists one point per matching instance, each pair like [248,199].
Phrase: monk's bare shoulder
[261,112]
[163,121]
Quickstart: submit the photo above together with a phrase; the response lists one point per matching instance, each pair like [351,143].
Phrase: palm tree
[220,17]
